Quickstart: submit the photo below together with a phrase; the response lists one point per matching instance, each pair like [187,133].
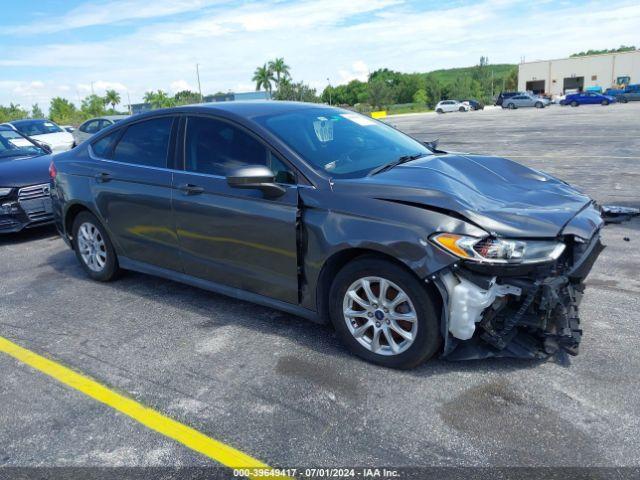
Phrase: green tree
[63,111]
[12,112]
[263,78]
[92,106]
[111,97]
[420,97]
[299,92]
[36,111]
[511,81]
[280,69]
[159,99]
[380,93]
[621,48]
[186,97]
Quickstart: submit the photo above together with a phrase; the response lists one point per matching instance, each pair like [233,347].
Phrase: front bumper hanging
[503,312]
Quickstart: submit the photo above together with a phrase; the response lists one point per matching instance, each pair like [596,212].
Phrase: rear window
[145,143]
[37,127]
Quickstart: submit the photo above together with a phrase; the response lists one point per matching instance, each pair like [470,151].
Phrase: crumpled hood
[501,196]
[22,171]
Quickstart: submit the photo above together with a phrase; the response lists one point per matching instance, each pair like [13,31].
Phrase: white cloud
[100,86]
[180,85]
[359,71]
[109,12]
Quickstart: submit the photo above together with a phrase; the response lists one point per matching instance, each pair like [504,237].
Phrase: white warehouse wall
[597,70]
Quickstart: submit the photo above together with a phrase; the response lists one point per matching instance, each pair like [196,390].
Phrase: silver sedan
[525,100]
[93,126]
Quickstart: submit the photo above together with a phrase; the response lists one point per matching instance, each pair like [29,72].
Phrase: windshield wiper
[396,162]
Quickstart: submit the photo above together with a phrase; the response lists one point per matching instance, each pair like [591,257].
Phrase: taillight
[52,171]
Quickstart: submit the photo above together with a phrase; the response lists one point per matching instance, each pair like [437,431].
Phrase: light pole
[329,83]
[198,75]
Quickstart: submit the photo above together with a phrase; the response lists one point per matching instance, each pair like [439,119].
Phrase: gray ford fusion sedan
[409,251]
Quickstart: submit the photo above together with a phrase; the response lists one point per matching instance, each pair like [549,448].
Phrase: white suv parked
[451,106]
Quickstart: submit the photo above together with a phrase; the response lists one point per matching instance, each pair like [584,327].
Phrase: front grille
[35,201]
[34,191]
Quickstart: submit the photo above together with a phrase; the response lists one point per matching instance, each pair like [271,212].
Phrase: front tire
[511,106]
[94,249]
[439,110]
[539,105]
[384,314]
[605,103]
[574,104]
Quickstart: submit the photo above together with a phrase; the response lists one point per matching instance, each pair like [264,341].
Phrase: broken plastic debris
[617,214]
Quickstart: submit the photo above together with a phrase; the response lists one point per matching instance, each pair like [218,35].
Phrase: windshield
[36,127]
[339,142]
[12,144]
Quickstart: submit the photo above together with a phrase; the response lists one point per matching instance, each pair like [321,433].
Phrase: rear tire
[94,249]
[413,325]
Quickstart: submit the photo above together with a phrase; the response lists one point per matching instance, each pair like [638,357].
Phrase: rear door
[231,236]
[132,190]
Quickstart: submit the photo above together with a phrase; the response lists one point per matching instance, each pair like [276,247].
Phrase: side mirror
[432,145]
[47,148]
[256,177]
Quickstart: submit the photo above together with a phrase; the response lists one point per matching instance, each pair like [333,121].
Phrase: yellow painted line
[193,439]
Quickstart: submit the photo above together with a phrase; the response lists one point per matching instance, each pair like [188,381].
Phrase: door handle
[103,177]
[190,189]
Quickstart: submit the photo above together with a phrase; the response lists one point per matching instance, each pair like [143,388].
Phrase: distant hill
[450,75]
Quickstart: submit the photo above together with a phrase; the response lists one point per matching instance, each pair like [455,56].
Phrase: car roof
[29,120]
[249,108]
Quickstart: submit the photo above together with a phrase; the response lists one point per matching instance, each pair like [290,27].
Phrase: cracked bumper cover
[529,311]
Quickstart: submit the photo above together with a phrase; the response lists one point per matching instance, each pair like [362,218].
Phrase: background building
[554,77]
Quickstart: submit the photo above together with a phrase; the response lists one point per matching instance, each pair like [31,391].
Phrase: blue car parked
[587,98]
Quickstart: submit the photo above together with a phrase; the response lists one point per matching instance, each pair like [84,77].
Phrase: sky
[66,48]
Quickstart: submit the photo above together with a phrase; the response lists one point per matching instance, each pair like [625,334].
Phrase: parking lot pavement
[286,392]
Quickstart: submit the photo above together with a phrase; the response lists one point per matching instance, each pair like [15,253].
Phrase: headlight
[498,250]
[5,191]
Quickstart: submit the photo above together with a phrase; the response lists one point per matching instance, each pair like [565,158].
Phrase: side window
[90,127]
[215,147]
[103,124]
[102,147]
[145,143]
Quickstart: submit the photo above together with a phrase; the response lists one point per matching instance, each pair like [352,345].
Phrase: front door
[132,191]
[231,236]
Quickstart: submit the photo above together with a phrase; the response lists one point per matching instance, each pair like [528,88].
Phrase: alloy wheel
[92,247]
[380,316]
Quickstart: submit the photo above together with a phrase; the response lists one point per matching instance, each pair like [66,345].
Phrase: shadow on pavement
[224,311]
[28,235]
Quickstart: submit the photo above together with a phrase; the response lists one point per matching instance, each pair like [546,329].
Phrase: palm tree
[280,69]
[112,97]
[149,97]
[263,78]
[159,99]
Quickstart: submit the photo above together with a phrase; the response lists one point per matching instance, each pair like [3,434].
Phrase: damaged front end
[519,309]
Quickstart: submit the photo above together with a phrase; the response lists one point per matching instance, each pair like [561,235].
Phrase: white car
[451,106]
[46,132]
